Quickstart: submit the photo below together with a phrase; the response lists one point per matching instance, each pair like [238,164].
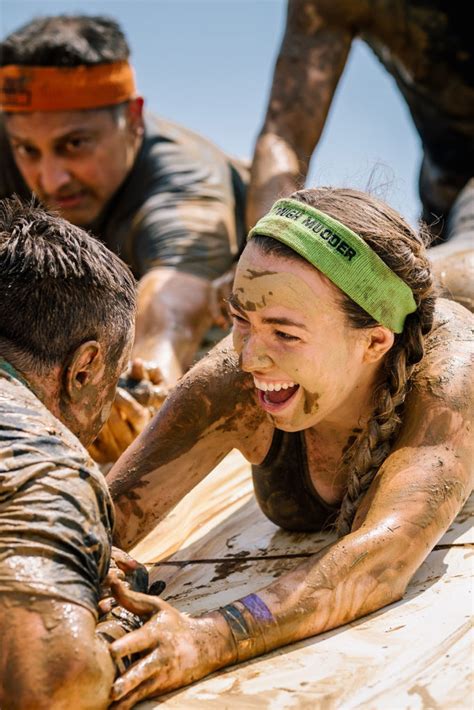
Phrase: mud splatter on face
[251,274]
[289,328]
[248,305]
[311,402]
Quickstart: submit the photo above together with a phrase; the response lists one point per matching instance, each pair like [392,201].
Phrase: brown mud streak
[190,412]
[263,558]
[311,402]
[252,274]
[248,305]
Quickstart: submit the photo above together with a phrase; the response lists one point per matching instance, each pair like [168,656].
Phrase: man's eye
[286,336]
[76,144]
[25,151]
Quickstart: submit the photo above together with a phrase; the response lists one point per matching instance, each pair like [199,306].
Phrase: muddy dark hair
[59,287]
[65,41]
[404,251]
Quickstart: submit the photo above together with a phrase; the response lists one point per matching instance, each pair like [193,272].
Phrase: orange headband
[26,88]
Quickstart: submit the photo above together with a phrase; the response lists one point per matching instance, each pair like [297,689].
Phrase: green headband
[343,257]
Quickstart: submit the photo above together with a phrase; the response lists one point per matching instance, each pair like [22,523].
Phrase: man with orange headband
[166,200]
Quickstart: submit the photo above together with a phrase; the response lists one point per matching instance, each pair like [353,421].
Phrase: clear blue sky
[208,64]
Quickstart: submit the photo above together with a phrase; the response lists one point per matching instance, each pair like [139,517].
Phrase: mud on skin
[192,410]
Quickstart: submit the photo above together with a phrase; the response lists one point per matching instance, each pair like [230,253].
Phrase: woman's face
[308,365]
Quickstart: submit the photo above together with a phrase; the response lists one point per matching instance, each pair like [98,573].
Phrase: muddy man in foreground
[348,388]
[427,48]
[67,308]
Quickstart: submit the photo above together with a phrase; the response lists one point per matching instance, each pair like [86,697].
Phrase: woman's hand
[179,648]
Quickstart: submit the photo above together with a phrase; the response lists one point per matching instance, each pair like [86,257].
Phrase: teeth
[272,386]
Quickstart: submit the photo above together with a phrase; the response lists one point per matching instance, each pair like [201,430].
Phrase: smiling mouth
[274,401]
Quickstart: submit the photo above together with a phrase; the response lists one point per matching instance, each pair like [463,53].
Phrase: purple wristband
[257,608]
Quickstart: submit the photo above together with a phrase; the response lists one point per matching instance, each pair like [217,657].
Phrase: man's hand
[180,648]
[122,568]
[139,397]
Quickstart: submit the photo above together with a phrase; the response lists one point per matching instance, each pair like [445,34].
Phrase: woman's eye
[238,318]
[286,336]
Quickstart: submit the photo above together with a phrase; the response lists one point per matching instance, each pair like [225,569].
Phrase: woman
[347,388]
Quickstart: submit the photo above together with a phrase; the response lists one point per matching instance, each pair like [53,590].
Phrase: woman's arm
[211,411]
[414,498]
[359,574]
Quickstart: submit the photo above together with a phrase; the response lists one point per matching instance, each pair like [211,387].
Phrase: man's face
[74,160]
[87,412]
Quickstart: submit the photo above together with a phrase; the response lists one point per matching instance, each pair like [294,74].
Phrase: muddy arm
[311,59]
[210,411]
[370,568]
[51,657]
[414,498]
[172,317]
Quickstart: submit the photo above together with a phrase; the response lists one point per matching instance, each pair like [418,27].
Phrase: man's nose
[53,175]
[254,356]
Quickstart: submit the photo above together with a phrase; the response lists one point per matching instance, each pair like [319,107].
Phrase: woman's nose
[254,356]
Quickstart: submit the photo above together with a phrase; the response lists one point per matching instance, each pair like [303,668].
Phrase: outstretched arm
[412,501]
[211,411]
[173,314]
[311,59]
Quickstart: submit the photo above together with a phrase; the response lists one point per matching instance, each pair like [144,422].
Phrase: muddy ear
[84,370]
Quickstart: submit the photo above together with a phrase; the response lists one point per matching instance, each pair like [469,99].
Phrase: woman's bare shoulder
[438,408]
[445,371]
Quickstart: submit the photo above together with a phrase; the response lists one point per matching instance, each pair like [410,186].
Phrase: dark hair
[59,287]
[403,250]
[65,41]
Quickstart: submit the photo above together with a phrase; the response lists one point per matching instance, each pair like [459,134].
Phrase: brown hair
[404,251]
[58,288]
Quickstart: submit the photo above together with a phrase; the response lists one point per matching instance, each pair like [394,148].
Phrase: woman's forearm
[361,573]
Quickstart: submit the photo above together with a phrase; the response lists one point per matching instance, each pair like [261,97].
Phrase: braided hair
[404,251]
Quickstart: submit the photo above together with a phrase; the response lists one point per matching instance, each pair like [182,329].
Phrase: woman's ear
[85,368]
[379,341]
